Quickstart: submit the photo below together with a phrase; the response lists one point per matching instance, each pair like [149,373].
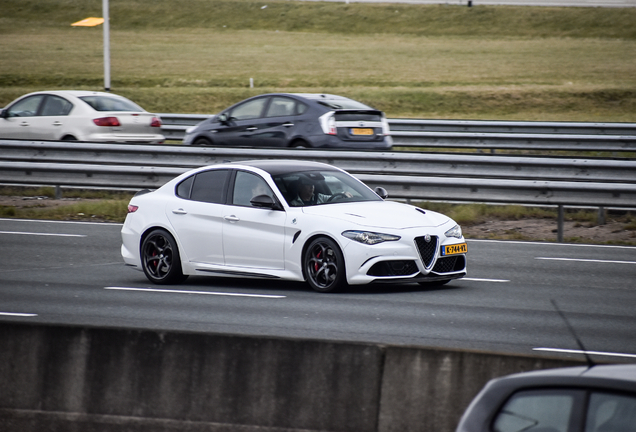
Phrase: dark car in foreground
[577,399]
[295,120]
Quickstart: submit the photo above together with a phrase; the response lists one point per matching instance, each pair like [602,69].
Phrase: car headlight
[189,130]
[369,238]
[455,231]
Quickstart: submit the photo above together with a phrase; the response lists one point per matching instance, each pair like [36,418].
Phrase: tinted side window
[26,107]
[210,186]
[56,106]
[249,110]
[247,186]
[184,188]
[281,107]
[536,411]
[611,413]
[301,108]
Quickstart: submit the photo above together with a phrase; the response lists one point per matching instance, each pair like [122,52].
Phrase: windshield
[308,188]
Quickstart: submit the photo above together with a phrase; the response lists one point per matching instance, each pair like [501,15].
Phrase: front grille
[426,249]
[449,264]
[393,268]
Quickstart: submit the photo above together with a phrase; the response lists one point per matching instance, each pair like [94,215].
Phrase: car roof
[76,93]
[276,167]
[617,377]
[318,97]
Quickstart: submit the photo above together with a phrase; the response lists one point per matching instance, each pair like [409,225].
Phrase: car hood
[379,214]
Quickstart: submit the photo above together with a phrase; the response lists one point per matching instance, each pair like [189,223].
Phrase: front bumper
[404,261]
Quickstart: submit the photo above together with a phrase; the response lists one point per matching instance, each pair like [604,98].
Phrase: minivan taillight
[132,208]
[155,122]
[328,123]
[107,121]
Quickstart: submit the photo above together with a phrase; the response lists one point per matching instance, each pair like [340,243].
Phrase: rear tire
[324,265]
[160,258]
[202,142]
[299,144]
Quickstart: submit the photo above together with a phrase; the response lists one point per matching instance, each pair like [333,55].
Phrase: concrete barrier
[66,378]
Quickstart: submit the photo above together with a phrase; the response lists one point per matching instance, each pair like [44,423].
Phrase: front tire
[160,258]
[324,265]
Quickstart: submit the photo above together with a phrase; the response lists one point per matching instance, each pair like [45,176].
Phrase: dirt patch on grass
[35,201]
[612,232]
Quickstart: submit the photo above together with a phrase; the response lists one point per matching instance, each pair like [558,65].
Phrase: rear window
[337,104]
[106,103]
[358,116]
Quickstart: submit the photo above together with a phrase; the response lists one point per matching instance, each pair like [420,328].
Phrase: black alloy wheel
[324,265]
[160,258]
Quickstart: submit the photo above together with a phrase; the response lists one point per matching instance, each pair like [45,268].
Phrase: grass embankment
[434,61]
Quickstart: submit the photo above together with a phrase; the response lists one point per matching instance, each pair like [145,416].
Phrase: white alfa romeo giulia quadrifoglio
[292,220]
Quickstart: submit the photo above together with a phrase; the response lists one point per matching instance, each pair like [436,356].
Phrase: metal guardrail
[381,163]
[419,188]
[405,175]
[491,135]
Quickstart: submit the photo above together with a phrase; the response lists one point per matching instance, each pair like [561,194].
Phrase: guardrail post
[601,216]
[58,192]
[560,224]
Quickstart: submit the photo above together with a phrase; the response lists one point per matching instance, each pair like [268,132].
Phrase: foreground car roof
[613,376]
[276,167]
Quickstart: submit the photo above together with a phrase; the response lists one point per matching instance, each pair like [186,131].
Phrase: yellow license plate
[455,249]
[361,131]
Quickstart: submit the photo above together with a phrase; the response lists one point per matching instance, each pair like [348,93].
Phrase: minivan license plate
[361,131]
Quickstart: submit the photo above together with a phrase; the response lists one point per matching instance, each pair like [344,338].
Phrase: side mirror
[265,201]
[3,113]
[381,192]
[222,118]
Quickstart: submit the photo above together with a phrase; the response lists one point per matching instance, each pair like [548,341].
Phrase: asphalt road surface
[72,273]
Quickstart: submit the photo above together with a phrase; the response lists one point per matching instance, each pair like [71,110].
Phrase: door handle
[231,218]
[288,124]
[179,211]
[251,128]
[24,123]
[57,123]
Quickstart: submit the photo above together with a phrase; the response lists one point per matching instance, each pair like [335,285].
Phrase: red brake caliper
[317,258]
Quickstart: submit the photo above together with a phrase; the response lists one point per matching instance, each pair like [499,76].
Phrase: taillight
[155,122]
[328,123]
[132,208]
[107,121]
[385,126]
